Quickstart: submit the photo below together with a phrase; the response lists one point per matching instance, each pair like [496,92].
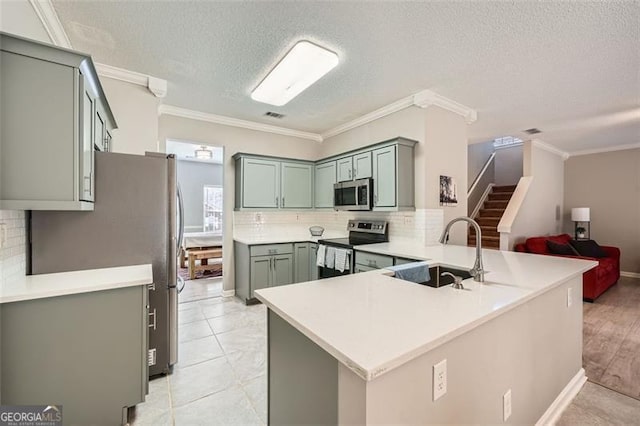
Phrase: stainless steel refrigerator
[135,221]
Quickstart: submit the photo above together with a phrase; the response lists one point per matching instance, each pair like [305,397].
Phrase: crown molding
[550,148]
[602,150]
[235,122]
[372,116]
[423,99]
[52,25]
[157,86]
[427,98]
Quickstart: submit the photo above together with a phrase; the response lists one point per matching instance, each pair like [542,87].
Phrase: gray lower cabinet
[86,352]
[369,261]
[362,268]
[313,266]
[302,262]
[325,178]
[54,114]
[261,266]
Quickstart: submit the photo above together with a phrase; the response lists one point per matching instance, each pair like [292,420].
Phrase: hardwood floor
[611,345]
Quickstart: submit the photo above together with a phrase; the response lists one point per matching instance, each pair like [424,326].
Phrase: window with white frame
[212,198]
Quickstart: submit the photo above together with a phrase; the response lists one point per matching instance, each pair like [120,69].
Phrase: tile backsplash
[423,225]
[13,244]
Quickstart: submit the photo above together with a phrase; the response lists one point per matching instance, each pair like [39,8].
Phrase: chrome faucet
[477,272]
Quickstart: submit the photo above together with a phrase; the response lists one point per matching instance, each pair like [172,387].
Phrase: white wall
[18,17]
[135,109]
[541,210]
[609,184]
[233,140]
[192,177]
[509,165]
[478,154]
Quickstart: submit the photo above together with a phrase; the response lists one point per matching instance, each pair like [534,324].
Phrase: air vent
[274,114]
[532,131]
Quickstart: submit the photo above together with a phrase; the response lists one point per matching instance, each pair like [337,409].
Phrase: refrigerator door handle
[181,287]
[181,226]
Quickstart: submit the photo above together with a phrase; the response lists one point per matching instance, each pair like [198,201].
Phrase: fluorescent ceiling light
[305,64]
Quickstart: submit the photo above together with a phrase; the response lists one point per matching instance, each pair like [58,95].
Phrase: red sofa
[596,281]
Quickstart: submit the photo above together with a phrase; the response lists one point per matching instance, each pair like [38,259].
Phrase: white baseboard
[557,407]
[228,293]
[630,274]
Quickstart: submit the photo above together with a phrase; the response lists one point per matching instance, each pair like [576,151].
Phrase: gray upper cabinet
[353,167]
[362,165]
[276,183]
[297,185]
[345,169]
[49,100]
[325,179]
[393,176]
[260,182]
[384,177]
[265,183]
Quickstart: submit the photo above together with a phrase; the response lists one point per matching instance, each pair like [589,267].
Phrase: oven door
[324,272]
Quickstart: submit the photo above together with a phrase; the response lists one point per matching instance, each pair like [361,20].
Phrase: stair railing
[481,187]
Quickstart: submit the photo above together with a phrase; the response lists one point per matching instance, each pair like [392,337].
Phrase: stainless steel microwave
[353,195]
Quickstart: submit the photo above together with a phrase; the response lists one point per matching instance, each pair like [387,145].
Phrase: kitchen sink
[438,281]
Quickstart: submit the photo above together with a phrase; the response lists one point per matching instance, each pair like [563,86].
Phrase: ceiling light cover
[302,66]
[203,153]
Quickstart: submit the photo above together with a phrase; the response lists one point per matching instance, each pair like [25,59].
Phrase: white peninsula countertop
[372,322]
[31,287]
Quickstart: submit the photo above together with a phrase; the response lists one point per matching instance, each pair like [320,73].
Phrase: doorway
[200,181]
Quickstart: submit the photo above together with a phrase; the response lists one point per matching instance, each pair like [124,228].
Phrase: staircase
[490,216]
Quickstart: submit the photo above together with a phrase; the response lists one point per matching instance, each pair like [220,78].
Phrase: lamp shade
[581,214]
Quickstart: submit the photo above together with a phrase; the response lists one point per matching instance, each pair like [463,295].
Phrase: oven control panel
[369,226]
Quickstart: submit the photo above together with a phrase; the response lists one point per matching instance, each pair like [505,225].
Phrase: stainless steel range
[360,232]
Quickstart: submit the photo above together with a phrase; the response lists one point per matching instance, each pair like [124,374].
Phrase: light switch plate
[3,234]
[439,379]
[569,297]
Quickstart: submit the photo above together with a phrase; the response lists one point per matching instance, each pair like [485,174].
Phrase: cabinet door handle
[355,173]
[277,202]
[349,173]
[154,323]
[282,201]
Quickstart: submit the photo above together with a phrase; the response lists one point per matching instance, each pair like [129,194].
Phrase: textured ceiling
[571,69]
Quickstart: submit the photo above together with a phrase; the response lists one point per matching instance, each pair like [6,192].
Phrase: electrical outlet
[569,297]
[439,379]
[506,405]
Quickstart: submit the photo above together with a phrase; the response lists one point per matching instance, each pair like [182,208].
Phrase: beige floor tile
[248,364]
[190,315]
[194,330]
[220,306]
[197,381]
[229,407]
[156,409]
[243,339]
[234,320]
[256,389]
[199,350]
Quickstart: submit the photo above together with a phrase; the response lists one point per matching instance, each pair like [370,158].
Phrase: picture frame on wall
[448,191]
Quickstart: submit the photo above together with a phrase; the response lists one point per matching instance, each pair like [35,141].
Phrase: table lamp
[581,215]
